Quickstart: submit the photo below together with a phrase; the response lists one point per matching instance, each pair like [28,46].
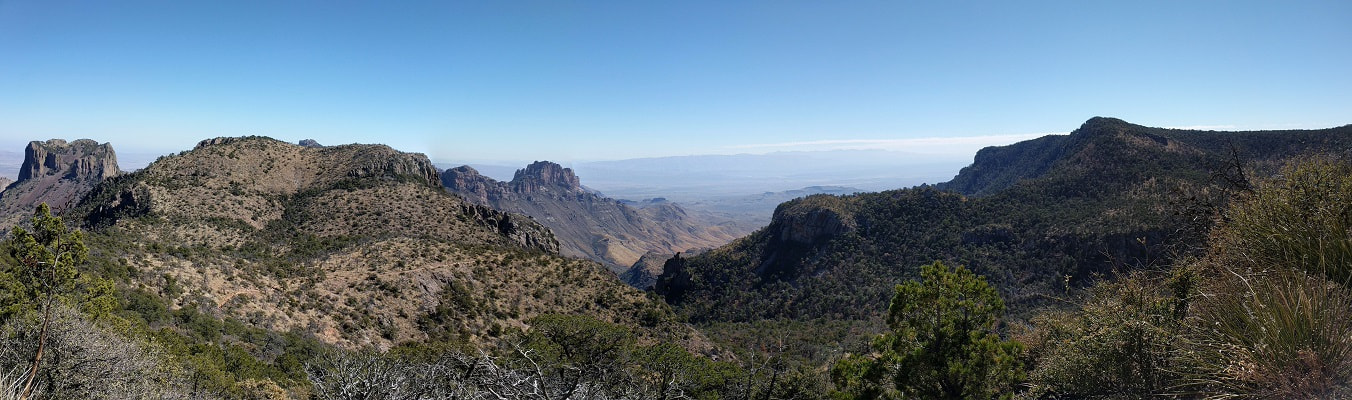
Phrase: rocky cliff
[58,173]
[586,224]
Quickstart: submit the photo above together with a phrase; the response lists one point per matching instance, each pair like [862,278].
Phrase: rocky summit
[587,225]
[58,173]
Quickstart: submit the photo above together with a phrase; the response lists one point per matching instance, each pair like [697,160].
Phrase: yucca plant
[1275,334]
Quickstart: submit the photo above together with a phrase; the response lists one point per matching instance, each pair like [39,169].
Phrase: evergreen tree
[942,343]
[47,258]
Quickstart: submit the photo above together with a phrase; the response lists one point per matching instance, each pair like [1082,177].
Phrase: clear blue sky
[571,80]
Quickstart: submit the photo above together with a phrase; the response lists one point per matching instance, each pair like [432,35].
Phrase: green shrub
[1119,342]
[1275,316]
[942,344]
[1303,220]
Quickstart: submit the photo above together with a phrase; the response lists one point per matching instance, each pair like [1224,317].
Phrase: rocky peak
[310,143]
[545,175]
[82,159]
[468,182]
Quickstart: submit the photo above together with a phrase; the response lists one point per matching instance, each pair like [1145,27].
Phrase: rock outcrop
[57,173]
[807,221]
[643,274]
[82,159]
[545,176]
[586,224]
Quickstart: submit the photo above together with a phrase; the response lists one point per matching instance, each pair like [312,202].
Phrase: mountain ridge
[587,224]
[358,245]
[1033,217]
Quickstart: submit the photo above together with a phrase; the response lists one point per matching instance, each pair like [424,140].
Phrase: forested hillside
[1036,219]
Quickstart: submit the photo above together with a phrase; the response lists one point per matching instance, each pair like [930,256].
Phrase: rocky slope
[586,224]
[358,244]
[58,173]
[1045,215]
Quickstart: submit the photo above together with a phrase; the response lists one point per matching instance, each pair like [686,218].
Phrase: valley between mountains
[1115,261]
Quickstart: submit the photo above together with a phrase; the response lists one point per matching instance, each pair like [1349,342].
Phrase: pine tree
[47,259]
[942,343]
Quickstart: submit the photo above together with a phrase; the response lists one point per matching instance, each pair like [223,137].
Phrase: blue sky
[569,80]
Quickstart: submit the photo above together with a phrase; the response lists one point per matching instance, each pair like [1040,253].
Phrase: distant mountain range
[588,225]
[684,179]
[249,248]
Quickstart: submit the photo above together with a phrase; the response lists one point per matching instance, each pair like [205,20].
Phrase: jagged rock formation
[357,244]
[586,224]
[643,274]
[310,143]
[57,173]
[1034,217]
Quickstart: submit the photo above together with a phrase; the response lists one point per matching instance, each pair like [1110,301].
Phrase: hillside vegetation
[1036,219]
[238,262]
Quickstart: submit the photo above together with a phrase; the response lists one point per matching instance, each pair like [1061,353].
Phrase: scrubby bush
[1274,318]
[1120,341]
[1301,220]
[1282,334]
[86,361]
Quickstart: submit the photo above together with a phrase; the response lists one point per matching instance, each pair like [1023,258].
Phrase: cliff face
[82,159]
[544,176]
[1110,151]
[586,224]
[57,173]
